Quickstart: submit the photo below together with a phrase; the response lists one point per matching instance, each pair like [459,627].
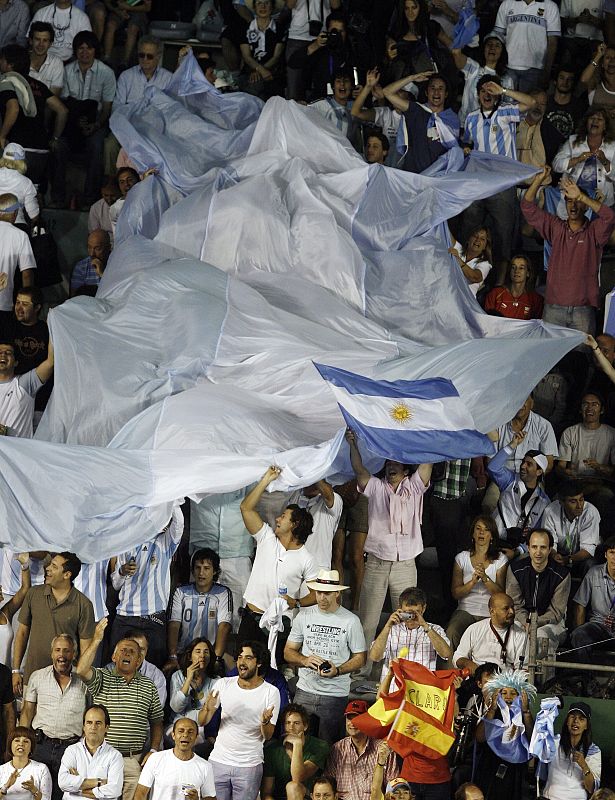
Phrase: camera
[407,615]
[325,666]
[334,39]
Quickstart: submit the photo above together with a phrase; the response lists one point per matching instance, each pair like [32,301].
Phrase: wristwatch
[297,603]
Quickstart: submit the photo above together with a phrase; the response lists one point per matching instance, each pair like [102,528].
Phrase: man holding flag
[402,421]
[417,723]
[394,532]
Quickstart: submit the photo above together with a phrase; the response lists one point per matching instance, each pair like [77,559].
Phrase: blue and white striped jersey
[200,614]
[148,590]
[495,133]
[92,582]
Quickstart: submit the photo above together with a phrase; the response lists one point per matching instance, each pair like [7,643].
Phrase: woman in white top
[495,61]
[9,609]
[477,574]
[475,258]
[21,778]
[192,682]
[574,773]
[589,155]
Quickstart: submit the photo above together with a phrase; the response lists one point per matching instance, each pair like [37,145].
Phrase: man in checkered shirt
[407,635]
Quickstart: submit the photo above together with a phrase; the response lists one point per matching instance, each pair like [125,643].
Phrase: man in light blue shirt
[132,82]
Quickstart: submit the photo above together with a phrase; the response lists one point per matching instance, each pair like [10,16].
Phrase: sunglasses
[148,56]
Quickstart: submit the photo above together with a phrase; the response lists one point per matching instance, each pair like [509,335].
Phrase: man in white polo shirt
[531,29]
[281,564]
[177,772]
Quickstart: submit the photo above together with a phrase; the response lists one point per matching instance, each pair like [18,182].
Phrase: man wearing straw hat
[326,642]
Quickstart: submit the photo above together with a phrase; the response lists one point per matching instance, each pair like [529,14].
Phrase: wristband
[25,567]
[17,671]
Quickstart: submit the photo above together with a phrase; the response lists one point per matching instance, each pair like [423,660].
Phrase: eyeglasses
[148,56]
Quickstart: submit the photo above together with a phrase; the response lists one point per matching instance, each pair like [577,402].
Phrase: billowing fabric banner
[264,244]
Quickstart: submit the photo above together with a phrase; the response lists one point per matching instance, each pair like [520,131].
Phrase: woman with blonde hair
[13,180]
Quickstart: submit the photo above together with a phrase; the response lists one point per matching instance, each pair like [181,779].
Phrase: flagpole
[392,728]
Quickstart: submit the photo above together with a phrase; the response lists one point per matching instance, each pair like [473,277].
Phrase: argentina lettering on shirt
[528,18]
[419,421]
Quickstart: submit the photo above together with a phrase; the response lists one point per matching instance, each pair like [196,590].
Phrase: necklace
[59,30]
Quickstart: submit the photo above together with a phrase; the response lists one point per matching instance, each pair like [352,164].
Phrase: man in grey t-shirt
[327,643]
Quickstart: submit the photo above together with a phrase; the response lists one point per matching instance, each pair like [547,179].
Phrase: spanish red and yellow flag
[418,717]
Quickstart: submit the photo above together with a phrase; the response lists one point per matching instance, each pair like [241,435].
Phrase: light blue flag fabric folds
[264,244]
[544,742]
[408,421]
[466,27]
[506,736]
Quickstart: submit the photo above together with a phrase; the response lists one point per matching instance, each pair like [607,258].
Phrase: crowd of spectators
[216,659]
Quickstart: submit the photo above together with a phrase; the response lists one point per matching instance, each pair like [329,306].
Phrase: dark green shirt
[277,763]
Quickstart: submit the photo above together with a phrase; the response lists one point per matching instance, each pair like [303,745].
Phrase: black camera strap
[322,6]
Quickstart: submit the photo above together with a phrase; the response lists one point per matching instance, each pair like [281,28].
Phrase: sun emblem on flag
[400,412]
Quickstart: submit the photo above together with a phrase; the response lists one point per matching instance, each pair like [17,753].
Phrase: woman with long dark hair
[420,44]
[478,573]
[574,773]
[192,682]
[493,62]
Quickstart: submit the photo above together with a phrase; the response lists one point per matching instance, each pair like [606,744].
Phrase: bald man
[87,273]
[498,639]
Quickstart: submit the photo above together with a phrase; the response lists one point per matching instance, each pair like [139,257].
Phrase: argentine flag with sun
[414,422]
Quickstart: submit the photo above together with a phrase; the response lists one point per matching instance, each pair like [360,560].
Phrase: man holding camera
[327,643]
[307,21]
[328,53]
[407,635]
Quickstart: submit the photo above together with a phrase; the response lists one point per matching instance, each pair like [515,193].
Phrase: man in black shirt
[30,336]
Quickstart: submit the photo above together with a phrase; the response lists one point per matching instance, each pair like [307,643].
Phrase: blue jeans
[236,783]
[524,80]
[50,752]
[329,710]
[581,318]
